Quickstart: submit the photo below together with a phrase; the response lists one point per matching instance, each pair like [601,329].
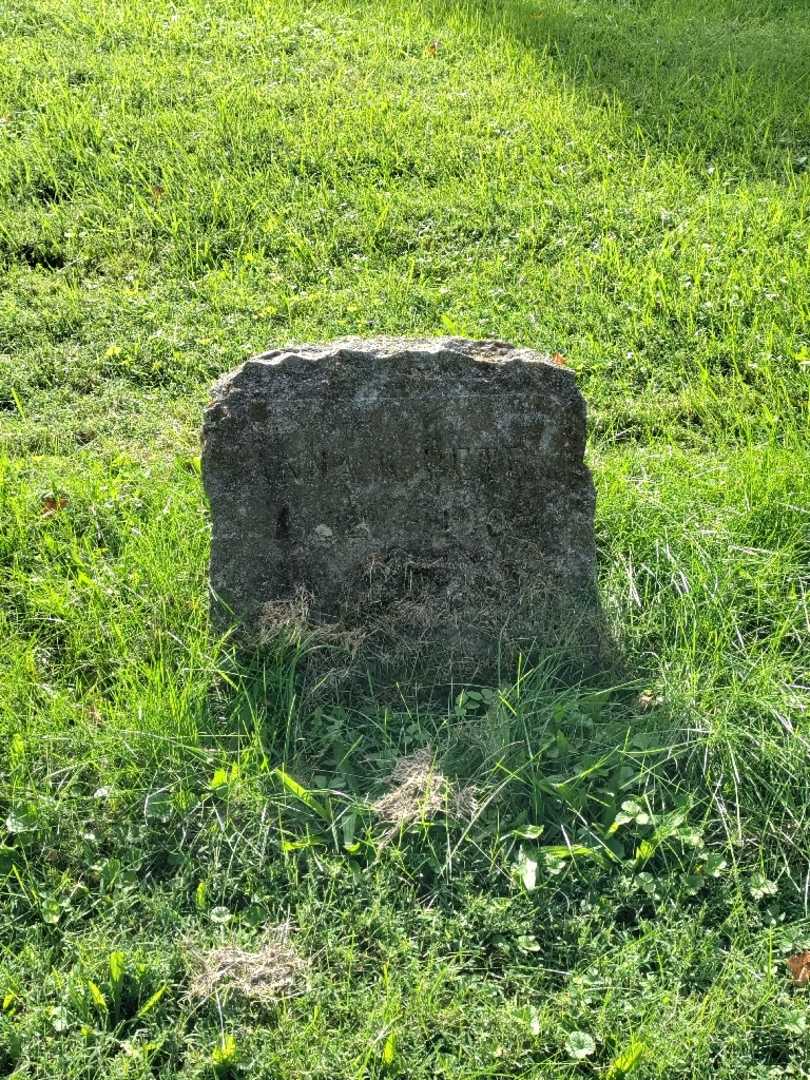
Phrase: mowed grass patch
[600,879]
[183,185]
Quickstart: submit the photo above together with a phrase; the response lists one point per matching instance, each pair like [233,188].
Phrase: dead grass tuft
[265,975]
[420,792]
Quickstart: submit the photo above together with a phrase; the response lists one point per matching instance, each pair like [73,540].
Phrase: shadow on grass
[305,669]
[543,751]
[720,84]
[292,694]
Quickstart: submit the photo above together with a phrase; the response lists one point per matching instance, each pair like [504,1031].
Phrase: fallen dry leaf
[52,503]
[800,967]
[648,699]
[558,359]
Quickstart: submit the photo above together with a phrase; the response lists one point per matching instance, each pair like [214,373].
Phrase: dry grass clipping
[421,792]
[265,975]
[415,627]
[297,619]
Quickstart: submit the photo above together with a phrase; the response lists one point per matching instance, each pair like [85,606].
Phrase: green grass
[184,184]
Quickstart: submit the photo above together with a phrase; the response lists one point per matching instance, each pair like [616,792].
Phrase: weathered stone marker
[424,502]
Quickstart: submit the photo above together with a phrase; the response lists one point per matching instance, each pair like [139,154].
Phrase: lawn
[604,879]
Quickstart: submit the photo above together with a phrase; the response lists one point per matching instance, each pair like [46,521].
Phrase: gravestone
[422,505]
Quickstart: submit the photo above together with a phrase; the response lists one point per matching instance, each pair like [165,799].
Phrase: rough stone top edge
[484,350]
[307,358]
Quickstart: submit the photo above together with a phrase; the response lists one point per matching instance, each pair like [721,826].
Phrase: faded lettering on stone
[437,460]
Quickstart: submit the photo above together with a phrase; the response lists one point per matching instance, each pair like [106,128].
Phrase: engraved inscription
[382,463]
